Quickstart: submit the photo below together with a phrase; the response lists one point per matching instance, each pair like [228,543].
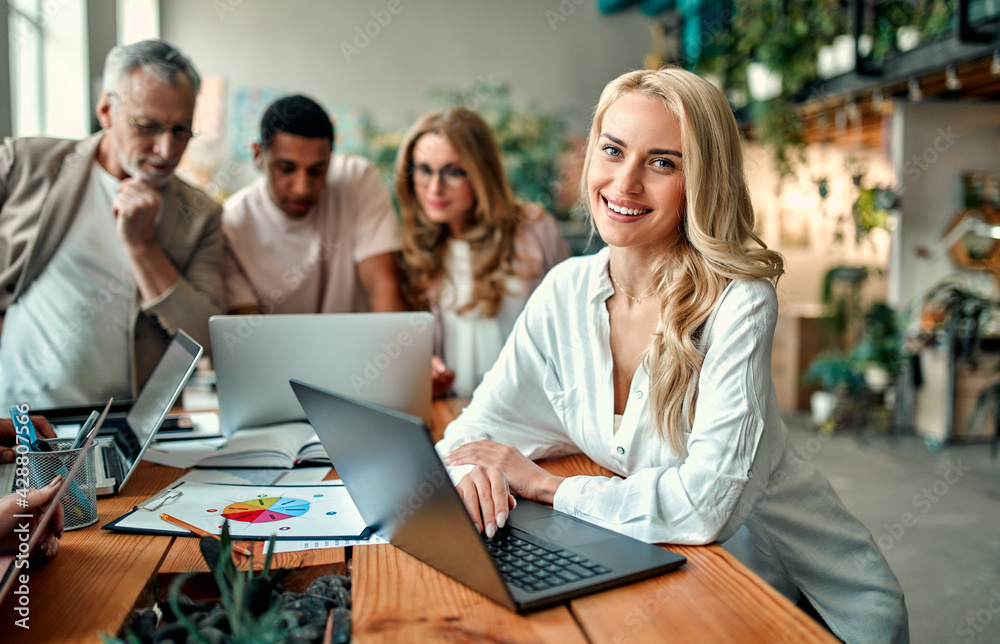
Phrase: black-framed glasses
[449,176]
[152,129]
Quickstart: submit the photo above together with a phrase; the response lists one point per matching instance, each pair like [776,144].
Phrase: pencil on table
[198,531]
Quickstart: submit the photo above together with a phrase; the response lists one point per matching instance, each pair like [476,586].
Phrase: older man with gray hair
[104,253]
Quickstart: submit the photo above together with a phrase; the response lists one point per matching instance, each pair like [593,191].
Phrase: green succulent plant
[251,610]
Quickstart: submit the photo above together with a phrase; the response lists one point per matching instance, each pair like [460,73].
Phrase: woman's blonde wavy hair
[717,244]
[496,213]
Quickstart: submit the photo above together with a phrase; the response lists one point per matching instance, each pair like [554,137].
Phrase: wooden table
[99,577]
[713,598]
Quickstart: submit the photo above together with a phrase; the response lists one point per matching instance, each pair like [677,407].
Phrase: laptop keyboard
[112,464]
[535,566]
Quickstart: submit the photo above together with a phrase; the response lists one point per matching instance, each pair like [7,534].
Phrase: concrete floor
[936,516]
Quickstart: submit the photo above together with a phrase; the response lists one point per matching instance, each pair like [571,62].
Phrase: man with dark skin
[317,233]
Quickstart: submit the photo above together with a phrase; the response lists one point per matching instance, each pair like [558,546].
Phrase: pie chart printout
[258,512]
[266,510]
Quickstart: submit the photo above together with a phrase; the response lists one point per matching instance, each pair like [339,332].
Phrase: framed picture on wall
[796,228]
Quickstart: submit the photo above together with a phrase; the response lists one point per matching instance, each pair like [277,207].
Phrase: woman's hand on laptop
[15,529]
[499,470]
[8,438]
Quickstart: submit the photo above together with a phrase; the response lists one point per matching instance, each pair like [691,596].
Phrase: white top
[308,265]
[470,342]
[551,393]
[66,339]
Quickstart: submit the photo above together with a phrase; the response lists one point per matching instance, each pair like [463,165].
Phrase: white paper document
[236,477]
[182,454]
[320,544]
[296,512]
[306,476]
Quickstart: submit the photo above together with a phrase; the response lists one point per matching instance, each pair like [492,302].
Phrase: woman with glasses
[472,253]
[652,357]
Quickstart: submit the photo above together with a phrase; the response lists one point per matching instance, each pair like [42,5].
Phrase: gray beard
[133,170]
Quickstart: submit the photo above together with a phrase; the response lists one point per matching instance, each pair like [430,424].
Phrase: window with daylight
[27,66]
[49,84]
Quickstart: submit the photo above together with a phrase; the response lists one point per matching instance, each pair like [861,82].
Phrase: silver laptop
[384,358]
[540,558]
[125,437]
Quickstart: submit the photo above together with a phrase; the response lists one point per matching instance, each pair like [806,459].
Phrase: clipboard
[255,512]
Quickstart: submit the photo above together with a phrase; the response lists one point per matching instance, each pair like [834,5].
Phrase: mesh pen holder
[80,502]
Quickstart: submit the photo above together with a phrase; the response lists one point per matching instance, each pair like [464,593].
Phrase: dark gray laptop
[542,557]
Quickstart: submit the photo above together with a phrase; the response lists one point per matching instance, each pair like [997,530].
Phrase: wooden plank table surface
[184,556]
[99,576]
[713,598]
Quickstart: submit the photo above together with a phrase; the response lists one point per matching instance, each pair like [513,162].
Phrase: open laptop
[404,493]
[384,358]
[125,438]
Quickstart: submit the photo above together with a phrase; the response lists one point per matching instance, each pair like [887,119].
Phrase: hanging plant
[780,129]
[786,37]
[870,212]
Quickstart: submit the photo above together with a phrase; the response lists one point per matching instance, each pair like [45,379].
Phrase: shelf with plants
[880,47]
[956,340]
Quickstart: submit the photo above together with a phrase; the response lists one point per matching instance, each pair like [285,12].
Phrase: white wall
[932,143]
[798,213]
[560,60]
[137,20]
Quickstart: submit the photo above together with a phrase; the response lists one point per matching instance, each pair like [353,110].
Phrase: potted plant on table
[252,608]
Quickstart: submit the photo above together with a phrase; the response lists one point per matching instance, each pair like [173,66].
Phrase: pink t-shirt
[308,265]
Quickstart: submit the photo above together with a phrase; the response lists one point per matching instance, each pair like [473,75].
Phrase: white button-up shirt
[551,393]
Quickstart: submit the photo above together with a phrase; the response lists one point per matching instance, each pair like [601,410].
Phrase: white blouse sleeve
[701,500]
[512,405]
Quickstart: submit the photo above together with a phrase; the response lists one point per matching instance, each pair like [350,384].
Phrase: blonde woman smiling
[652,357]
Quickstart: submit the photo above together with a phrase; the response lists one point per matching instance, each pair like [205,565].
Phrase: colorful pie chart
[265,510]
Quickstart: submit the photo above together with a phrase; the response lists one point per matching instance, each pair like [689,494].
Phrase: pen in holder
[80,502]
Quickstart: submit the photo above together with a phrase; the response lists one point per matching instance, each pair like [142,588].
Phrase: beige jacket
[41,184]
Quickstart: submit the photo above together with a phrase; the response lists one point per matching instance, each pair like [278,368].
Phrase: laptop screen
[158,395]
[382,358]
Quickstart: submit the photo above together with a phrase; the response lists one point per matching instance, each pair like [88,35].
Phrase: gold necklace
[625,293]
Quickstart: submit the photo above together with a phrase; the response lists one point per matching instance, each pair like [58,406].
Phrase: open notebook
[285,445]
